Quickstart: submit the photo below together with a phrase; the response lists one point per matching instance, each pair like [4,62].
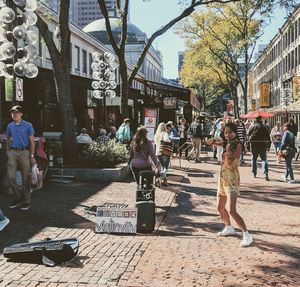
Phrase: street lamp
[104,83]
[17,40]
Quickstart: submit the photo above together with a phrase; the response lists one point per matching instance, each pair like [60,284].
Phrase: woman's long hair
[140,138]
[161,128]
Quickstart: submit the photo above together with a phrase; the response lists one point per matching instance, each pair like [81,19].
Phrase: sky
[150,15]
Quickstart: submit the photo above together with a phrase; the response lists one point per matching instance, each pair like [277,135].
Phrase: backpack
[195,130]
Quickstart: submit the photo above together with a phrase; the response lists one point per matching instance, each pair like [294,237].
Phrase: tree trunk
[245,88]
[124,88]
[62,84]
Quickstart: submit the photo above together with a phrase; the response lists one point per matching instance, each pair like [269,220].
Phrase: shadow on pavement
[274,195]
[290,269]
[51,207]
[179,220]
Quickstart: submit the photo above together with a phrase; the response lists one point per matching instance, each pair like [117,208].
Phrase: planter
[118,173]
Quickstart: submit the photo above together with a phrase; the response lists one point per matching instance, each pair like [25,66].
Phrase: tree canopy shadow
[51,207]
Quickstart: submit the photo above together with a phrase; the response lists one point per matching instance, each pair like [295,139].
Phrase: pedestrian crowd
[230,140]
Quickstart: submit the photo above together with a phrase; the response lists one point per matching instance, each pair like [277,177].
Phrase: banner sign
[9,90]
[250,85]
[296,88]
[116,220]
[150,119]
[253,104]
[19,90]
[170,103]
[264,99]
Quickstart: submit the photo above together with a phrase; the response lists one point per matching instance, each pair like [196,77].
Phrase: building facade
[40,103]
[152,66]
[83,12]
[276,73]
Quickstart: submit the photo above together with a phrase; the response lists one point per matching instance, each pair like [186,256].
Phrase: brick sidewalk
[187,251]
[58,212]
[184,251]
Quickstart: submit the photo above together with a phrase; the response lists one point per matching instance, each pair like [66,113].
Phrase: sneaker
[247,240]
[25,206]
[15,203]
[3,223]
[292,181]
[197,161]
[253,175]
[284,178]
[227,231]
[267,178]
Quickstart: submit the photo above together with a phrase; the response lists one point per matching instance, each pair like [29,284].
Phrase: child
[229,186]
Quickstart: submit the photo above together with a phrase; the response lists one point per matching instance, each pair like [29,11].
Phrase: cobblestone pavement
[183,251]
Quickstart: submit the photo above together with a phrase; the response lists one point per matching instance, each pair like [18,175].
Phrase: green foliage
[218,39]
[111,153]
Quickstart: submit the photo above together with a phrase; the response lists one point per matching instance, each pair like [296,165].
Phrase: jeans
[276,146]
[19,159]
[219,153]
[2,217]
[263,156]
[164,162]
[289,168]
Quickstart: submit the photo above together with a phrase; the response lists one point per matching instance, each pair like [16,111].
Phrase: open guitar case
[49,252]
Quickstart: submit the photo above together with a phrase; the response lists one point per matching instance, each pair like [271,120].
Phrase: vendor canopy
[255,114]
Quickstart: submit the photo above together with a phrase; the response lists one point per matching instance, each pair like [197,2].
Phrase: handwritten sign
[114,220]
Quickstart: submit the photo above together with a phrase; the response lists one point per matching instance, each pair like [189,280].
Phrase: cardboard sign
[115,220]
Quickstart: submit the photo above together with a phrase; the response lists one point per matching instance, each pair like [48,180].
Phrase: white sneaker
[284,178]
[3,223]
[292,181]
[227,231]
[247,240]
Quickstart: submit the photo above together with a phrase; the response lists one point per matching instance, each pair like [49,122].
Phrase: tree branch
[48,38]
[124,25]
[65,33]
[112,40]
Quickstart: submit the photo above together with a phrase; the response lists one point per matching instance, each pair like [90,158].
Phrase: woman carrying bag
[141,151]
[287,150]
[164,149]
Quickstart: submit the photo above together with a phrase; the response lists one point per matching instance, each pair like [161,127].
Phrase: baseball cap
[16,108]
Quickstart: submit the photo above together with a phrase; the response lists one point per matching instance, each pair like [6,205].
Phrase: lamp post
[104,83]
[17,40]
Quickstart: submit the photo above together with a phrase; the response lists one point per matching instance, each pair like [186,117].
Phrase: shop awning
[258,113]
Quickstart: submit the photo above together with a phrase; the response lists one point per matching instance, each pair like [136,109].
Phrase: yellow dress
[229,180]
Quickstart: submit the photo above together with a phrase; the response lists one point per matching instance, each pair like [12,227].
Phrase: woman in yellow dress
[229,186]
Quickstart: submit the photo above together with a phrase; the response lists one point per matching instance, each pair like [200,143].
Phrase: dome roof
[97,29]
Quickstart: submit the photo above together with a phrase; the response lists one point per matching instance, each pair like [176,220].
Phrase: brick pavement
[187,251]
[184,251]
[58,212]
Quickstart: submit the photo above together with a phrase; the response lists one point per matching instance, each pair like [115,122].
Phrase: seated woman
[141,152]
